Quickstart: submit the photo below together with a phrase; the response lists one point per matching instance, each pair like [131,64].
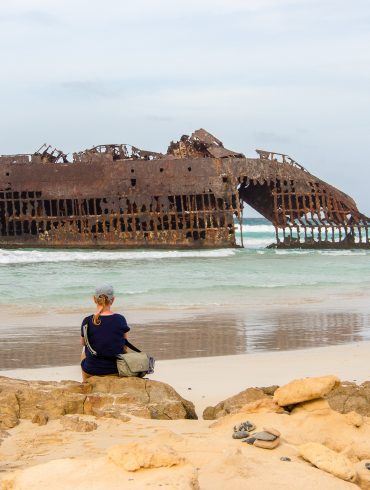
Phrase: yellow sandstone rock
[354,418]
[133,456]
[301,390]
[272,431]
[328,460]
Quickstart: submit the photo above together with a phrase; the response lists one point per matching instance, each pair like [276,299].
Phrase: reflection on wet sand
[200,336]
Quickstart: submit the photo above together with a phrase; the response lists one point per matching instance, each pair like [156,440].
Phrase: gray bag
[135,364]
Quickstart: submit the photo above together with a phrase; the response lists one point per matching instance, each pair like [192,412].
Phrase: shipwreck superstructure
[118,196]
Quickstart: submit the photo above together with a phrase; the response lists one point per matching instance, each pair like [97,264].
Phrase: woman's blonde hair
[102,301]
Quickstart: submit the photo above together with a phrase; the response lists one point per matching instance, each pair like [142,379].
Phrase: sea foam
[37,256]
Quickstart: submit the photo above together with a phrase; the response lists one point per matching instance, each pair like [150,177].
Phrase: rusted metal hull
[190,197]
[115,205]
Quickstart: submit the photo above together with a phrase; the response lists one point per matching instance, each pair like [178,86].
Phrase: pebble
[240,434]
[264,436]
[285,458]
[272,431]
[250,440]
[367,466]
[247,425]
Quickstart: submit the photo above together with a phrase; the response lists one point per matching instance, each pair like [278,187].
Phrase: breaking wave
[38,256]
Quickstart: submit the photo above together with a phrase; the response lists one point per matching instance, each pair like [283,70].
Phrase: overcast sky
[291,76]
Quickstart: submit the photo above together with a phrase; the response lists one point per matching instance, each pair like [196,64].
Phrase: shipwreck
[118,196]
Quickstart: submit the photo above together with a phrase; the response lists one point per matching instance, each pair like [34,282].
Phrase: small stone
[285,458]
[272,431]
[40,418]
[240,434]
[264,436]
[367,466]
[267,444]
[250,440]
[247,426]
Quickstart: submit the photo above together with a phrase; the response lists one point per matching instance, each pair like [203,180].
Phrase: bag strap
[132,347]
[92,351]
[86,338]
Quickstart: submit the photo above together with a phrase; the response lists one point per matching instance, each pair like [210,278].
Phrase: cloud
[252,71]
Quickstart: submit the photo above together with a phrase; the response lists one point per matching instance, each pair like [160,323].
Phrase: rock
[234,403]
[269,390]
[247,426]
[139,397]
[40,418]
[354,418]
[348,451]
[8,421]
[9,409]
[348,397]
[285,458]
[97,473]
[240,434]
[301,390]
[363,475]
[54,398]
[328,460]
[267,444]
[133,456]
[112,413]
[265,405]
[317,407]
[273,431]
[250,440]
[3,435]
[264,436]
[77,424]
[100,396]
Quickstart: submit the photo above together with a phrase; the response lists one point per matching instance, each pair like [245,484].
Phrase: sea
[185,303]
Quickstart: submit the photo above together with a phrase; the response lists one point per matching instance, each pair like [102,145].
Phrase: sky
[290,76]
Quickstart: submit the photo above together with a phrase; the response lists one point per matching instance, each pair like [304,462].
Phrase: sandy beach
[200,454]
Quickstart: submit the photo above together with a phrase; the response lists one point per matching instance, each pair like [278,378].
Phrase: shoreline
[208,380]
[298,322]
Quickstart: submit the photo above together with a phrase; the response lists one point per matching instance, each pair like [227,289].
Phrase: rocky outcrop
[111,396]
[234,403]
[343,397]
[302,390]
[328,460]
[100,396]
[348,397]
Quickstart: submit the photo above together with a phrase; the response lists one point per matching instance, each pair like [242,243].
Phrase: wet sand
[51,338]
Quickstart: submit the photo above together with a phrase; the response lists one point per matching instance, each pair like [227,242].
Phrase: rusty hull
[118,196]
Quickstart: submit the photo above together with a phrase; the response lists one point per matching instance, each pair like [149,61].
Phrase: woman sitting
[106,334]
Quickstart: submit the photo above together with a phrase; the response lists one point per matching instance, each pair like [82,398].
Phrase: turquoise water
[185,279]
[185,303]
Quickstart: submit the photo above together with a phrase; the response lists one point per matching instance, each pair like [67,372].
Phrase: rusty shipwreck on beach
[119,196]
